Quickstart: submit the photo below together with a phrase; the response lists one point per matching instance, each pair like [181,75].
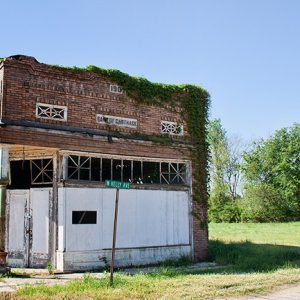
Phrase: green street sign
[117,184]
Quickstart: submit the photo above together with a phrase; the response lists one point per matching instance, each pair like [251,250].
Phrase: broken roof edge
[20,57]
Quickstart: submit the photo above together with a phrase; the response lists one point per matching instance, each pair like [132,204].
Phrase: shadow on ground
[250,257]
[244,257]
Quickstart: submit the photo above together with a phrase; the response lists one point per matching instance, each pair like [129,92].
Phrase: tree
[225,159]
[233,165]
[274,165]
[219,155]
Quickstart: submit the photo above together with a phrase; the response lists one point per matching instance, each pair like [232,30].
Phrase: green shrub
[223,208]
[263,203]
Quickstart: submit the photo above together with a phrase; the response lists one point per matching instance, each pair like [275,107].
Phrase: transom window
[173,173]
[28,173]
[41,171]
[172,128]
[138,172]
[52,112]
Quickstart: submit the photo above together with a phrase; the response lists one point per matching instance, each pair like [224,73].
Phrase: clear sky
[246,53]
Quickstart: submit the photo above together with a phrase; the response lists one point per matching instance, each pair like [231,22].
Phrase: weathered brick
[86,94]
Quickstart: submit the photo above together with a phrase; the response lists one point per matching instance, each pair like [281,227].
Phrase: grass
[262,233]
[258,257]
[256,247]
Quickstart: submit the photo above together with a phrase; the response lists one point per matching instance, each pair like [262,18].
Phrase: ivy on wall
[194,102]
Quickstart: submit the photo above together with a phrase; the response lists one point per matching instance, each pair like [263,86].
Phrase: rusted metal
[113,250]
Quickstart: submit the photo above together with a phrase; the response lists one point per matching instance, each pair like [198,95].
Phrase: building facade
[63,134]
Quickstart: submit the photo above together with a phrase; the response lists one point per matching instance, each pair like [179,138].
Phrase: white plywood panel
[16,230]
[40,220]
[146,218]
[127,227]
[61,219]
[150,219]
[108,198]
[161,218]
[83,236]
[182,224]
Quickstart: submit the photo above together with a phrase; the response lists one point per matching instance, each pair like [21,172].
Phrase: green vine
[194,102]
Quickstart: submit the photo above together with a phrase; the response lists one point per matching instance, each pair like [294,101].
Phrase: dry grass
[253,266]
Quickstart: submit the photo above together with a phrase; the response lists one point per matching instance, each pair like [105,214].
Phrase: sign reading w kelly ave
[117,184]
[118,121]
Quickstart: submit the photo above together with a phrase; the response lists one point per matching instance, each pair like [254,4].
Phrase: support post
[2,218]
[54,211]
[4,166]
[114,239]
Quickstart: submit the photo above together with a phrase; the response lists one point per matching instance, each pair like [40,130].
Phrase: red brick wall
[85,94]
[27,82]
[200,232]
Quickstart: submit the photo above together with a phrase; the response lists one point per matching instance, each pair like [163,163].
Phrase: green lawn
[258,257]
[264,233]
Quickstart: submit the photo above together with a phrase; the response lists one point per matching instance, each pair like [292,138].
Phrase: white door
[28,227]
[17,224]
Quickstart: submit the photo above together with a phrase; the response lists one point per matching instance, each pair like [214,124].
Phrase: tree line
[255,183]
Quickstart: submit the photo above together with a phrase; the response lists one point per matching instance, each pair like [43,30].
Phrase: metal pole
[114,239]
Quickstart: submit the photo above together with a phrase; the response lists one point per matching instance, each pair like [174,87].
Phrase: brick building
[63,134]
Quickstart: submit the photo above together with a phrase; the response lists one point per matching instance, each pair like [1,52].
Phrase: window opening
[127,170]
[25,174]
[165,173]
[95,169]
[84,217]
[182,174]
[41,171]
[106,169]
[98,169]
[117,170]
[79,167]
[137,172]
[84,168]
[151,172]
[173,173]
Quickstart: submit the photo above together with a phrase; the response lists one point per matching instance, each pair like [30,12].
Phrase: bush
[263,203]
[272,170]
[224,210]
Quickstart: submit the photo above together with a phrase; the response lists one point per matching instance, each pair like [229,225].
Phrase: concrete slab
[37,277]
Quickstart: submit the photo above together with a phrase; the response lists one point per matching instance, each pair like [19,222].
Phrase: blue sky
[246,53]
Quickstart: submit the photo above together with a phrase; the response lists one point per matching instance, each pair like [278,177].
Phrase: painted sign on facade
[118,121]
